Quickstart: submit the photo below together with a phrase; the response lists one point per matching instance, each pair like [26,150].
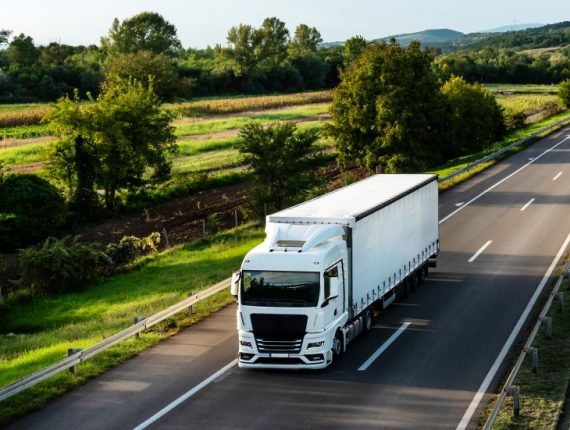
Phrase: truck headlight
[314,345]
[245,343]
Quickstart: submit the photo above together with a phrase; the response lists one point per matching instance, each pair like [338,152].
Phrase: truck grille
[279,346]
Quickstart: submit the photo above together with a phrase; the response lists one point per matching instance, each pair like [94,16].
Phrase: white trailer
[309,289]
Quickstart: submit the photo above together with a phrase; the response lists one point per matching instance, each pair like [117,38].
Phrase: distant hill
[512,27]
[533,36]
[432,37]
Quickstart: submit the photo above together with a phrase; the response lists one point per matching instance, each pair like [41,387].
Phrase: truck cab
[292,297]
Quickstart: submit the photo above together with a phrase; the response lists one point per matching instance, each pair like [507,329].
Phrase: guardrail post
[547,321]
[516,400]
[204,227]
[70,352]
[190,310]
[560,297]
[533,352]
[137,320]
[236,217]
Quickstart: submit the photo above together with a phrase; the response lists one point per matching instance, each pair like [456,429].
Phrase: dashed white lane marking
[527,205]
[483,248]
[384,347]
[557,176]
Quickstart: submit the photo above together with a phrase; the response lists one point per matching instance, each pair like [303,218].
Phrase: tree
[476,119]
[121,141]
[388,112]
[133,138]
[145,66]
[564,92]
[147,31]
[284,162]
[353,48]
[4,36]
[21,52]
[244,44]
[74,158]
[306,39]
[274,37]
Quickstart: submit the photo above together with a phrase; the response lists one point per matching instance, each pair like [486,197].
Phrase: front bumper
[307,358]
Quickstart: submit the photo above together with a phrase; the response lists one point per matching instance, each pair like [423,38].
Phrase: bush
[30,210]
[132,247]
[62,266]
[564,92]
[67,265]
[514,119]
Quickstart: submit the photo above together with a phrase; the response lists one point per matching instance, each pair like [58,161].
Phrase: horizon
[63,22]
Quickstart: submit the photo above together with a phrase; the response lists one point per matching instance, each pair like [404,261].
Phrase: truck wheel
[368,320]
[338,346]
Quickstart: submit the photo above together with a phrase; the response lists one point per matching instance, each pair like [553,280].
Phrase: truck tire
[338,346]
[368,320]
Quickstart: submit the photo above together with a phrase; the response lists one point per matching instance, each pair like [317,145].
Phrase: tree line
[253,60]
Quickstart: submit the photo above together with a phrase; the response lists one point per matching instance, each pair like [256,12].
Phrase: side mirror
[234,286]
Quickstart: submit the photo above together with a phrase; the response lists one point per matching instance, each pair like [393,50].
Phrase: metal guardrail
[509,388]
[494,155]
[78,356]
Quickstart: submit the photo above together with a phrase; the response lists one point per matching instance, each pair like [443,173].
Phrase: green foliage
[68,265]
[21,52]
[564,92]
[147,31]
[274,40]
[146,67]
[475,121]
[305,40]
[131,247]
[30,209]
[4,36]
[353,47]
[388,112]
[120,142]
[62,266]
[284,162]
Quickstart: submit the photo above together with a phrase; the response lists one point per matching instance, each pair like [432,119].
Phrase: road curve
[494,255]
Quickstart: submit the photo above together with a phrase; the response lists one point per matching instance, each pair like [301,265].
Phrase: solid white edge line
[185,396]
[557,176]
[527,205]
[483,248]
[507,346]
[502,180]
[384,347]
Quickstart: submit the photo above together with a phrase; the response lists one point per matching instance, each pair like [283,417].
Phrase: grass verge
[542,393]
[82,319]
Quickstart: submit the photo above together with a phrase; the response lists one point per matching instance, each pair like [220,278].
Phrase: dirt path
[11,143]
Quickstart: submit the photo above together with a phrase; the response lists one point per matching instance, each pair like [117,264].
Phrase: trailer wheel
[338,347]
[368,320]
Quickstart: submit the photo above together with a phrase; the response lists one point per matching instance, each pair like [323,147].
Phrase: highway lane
[426,379]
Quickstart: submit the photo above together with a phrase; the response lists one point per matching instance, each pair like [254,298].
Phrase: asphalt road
[496,248]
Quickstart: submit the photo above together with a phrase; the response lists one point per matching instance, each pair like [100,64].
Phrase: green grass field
[522,88]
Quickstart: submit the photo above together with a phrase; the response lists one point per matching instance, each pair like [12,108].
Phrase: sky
[201,23]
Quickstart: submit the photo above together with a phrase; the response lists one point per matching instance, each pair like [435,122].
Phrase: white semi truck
[309,289]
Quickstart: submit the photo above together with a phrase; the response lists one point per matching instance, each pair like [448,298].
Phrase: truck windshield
[295,289]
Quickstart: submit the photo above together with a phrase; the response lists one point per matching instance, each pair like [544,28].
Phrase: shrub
[67,265]
[30,210]
[131,247]
[62,266]
[514,119]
